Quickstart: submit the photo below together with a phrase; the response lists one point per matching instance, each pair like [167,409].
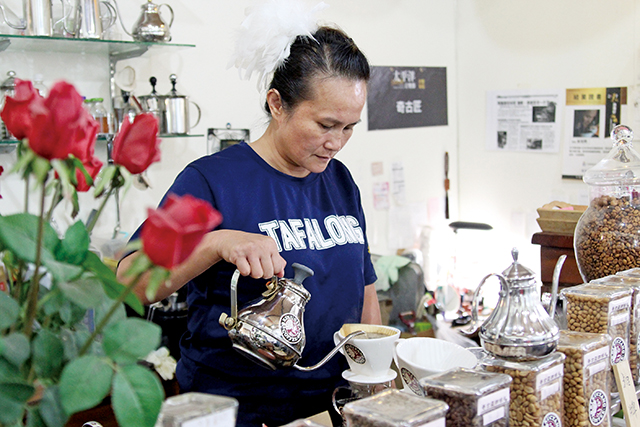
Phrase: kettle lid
[517,271]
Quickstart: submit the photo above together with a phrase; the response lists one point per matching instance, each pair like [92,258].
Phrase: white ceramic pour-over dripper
[369,356]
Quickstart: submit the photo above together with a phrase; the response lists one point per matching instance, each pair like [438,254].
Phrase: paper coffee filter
[435,355]
[348,328]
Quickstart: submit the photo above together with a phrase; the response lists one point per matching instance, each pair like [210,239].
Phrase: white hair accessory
[266,34]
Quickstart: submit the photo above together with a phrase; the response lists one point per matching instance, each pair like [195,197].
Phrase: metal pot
[86,20]
[270,331]
[154,104]
[176,111]
[150,26]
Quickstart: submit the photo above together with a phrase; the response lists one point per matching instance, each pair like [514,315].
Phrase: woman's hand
[254,255]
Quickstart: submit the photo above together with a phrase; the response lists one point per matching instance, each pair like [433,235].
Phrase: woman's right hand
[253,254]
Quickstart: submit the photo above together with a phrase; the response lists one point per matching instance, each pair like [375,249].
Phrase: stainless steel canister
[37,14]
[176,112]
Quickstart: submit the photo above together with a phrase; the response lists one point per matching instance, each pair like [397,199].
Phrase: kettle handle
[5,19]
[199,115]
[229,322]
[475,324]
[119,18]
[170,10]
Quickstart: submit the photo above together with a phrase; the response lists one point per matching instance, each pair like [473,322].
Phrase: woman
[283,199]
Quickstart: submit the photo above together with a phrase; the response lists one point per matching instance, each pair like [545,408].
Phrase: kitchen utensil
[519,327]
[270,331]
[176,111]
[446,185]
[11,19]
[150,27]
[154,104]
[418,357]
[369,355]
[37,16]
[86,20]
[7,88]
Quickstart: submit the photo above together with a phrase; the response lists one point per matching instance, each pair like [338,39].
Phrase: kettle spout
[331,353]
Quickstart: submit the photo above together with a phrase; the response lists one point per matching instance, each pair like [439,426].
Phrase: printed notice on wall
[590,115]
[524,120]
[405,97]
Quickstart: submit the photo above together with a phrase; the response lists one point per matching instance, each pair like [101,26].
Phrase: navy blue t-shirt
[316,221]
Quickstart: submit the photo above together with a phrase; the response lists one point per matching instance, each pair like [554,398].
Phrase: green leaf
[159,275]
[75,245]
[60,271]
[86,291]
[74,340]
[104,177]
[137,397]
[112,287]
[50,408]
[104,307]
[131,339]
[33,417]
[84,383]
[16,348]
[18,233]
[10,310]
[8,371]
[13,399]
[48,354]
[71,314]
[40,167]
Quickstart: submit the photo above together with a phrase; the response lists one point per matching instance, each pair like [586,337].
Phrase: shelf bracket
[4,44]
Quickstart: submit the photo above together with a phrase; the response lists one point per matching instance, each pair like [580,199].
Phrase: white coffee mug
[369,355]
[419,357]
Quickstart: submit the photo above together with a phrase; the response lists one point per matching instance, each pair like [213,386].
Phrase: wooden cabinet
[552,246]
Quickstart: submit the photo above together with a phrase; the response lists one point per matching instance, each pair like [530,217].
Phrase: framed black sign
[404,97]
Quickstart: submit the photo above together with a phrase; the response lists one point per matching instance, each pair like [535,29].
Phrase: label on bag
[596,356]
[550,375]
[440,422]
[620,304]
[493,416]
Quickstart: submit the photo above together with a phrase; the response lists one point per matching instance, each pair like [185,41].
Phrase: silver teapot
[150,26]
[270,331]
[519,327]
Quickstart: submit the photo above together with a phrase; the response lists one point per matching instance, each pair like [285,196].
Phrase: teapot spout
[331,353]
[554,285]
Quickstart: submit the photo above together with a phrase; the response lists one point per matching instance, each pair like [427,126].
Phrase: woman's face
[312,133]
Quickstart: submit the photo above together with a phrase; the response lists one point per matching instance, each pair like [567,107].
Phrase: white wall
[546,44]
[402,33]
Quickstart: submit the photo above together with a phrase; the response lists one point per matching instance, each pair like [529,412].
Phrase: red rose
[137,145]
[173,231]
[61,125]
[92,167]
[16,113]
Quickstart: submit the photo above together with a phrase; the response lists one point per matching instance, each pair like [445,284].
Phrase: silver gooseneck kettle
[150,27]
[270,331]
[519,327]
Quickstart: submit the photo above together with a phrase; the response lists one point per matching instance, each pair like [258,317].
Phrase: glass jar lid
[467,381]
[9,84]
[621,166]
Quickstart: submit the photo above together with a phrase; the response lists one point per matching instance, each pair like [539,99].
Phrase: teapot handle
[170,10]
[229,322]
[5,19]
[113,15]
[475,324]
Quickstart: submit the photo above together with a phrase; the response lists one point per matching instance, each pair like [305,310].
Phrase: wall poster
[591,114]
[524,120]
[405,97]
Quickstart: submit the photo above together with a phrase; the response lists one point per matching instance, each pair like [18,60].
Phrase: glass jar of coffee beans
[607,235]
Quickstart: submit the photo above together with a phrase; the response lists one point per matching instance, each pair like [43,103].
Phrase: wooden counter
[552,246]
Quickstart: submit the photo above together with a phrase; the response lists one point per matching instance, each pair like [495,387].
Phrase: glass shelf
[9,142]
[117,49]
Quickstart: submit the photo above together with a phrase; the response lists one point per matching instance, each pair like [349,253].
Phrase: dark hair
[330,53]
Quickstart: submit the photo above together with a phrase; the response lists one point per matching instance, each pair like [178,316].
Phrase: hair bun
[270,27]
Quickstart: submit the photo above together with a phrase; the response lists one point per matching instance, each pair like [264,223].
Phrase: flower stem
[107,316]
[57,197]
[97,215]
[32,299]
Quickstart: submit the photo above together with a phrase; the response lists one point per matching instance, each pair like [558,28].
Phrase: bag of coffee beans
[475,398]
[536,389]
[586,378]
